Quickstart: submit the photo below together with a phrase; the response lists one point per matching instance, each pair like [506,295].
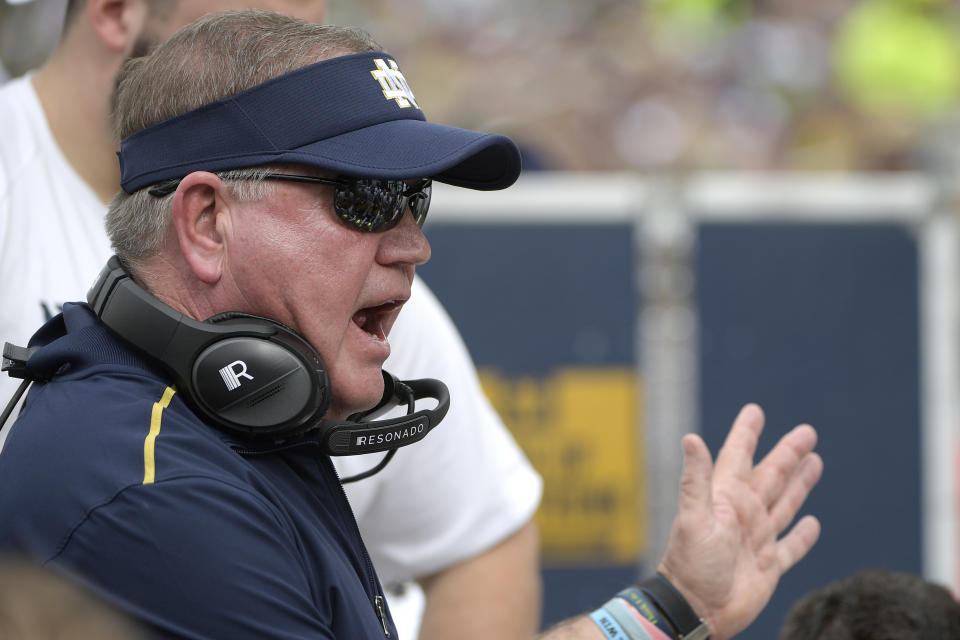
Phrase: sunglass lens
[378,205]
[362,205]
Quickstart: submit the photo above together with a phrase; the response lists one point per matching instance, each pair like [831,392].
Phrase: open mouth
[373,319]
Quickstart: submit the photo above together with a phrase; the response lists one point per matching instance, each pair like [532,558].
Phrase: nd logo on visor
[394,85]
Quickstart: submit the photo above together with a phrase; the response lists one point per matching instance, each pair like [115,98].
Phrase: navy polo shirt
[109,476]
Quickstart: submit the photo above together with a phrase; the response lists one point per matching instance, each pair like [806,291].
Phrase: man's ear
[117,22]
[200,204]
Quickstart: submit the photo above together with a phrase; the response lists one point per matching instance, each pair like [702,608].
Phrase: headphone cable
[13,402]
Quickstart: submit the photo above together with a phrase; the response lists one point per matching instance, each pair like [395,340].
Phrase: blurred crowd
[667,85]
[686,84]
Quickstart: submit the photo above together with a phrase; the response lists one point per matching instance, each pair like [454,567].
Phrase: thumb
[695,483]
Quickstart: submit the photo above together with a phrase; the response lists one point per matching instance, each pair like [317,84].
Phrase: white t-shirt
[461,490]
[52,237]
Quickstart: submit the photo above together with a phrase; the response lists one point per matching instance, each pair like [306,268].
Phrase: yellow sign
[581,431]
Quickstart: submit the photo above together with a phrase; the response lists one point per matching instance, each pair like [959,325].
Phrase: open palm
[724,554]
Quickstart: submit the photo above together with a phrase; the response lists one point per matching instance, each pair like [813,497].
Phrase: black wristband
[673,605]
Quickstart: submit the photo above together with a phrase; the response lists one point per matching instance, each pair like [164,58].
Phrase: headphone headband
[242,373]
[156,328]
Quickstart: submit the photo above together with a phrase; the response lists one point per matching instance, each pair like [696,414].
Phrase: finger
[798,488]
[736,454]
[695,494]
[792,547]
[771,476]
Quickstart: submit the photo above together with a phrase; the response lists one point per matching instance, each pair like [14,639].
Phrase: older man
[435,514]
[173,455]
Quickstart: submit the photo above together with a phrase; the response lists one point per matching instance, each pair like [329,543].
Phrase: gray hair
[217,56]
[137,223]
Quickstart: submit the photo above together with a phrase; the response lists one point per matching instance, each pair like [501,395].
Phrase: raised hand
[724,554]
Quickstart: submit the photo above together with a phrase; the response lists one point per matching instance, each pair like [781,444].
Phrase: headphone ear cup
[255,386]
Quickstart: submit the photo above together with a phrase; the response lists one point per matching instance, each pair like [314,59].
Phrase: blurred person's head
[150,22]
[875,604]
[38,604]
[76,84]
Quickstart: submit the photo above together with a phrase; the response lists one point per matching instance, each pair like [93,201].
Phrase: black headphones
[254,377]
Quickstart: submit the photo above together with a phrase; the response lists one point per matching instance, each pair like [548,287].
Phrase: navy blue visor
[353,115]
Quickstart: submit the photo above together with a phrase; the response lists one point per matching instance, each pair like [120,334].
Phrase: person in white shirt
[453,512]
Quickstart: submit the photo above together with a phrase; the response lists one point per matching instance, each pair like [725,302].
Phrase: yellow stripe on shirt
[149,465]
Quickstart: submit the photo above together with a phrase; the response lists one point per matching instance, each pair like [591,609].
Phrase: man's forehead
[188,11]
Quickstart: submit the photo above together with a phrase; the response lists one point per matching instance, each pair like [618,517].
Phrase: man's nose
[405,243]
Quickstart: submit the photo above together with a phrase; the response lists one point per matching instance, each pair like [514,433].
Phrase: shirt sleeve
[461,490]
[197,558]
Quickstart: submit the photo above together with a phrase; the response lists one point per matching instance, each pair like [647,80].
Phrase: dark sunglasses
[367,204]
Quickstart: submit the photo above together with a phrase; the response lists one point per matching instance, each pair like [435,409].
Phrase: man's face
[162,24]
[291,259]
